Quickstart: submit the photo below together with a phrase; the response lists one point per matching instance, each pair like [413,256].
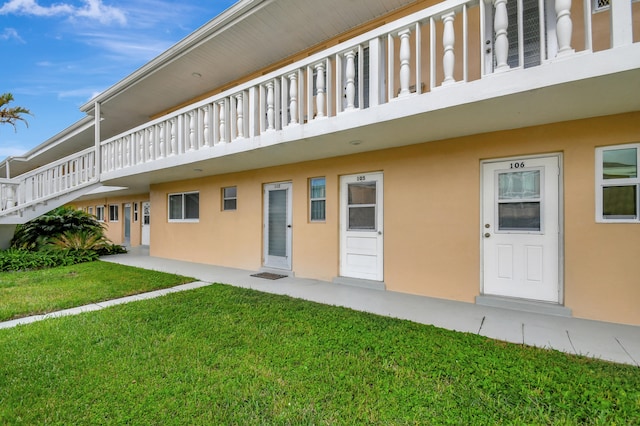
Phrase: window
[229,198]
[184,207]
[519,201]
[90,210]
[100,213]
[617,183]
[600,5]
[146,213]
[361,205]
[317,199]
[135,212]
[113,213]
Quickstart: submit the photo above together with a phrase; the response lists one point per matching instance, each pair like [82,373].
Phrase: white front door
[146,224]
[277,225]
[520,228]
[361,226]
[127,224]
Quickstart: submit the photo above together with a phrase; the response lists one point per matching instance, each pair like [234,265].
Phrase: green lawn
[225,355]
[47,290]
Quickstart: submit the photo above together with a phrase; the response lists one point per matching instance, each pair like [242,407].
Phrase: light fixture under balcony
[197,170]
[355,142]
[196,75]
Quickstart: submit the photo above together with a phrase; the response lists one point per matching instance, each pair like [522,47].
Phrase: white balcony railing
[436,47]
[41,184]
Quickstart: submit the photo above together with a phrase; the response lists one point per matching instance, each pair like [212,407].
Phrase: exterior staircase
[40,190]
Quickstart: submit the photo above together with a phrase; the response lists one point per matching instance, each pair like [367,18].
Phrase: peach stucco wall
[431,217]
[114,231]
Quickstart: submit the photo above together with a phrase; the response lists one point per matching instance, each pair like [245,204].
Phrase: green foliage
[109,249]
[78,240]
[63,236]
[25,260]
[224,355]
[47,290]
[11,115]
[37,233]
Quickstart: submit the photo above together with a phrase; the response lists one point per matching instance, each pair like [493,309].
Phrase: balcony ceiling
[249,36]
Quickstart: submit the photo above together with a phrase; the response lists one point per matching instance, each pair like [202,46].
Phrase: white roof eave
[238,11]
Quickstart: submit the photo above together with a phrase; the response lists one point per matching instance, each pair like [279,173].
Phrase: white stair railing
[48,182]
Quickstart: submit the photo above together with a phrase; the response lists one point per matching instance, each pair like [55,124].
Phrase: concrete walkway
[612,342]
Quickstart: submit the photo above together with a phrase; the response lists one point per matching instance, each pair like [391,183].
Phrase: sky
[56,55]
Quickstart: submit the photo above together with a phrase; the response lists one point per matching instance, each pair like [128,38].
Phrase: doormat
[269,276]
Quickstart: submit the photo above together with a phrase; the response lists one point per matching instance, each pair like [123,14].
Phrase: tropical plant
[11,115]
[36,233]
[110,248]
[25,260]
[78,240]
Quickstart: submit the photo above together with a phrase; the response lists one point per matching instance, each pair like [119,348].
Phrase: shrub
[78,240]
[110,248]
[23,260]
[36,233]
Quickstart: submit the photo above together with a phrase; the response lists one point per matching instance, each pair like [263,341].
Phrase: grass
[47,290]
[225,355]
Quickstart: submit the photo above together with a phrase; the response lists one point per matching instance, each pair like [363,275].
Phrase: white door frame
[280,260]
[145,228]
[484,221]
[126,223]
[362,250]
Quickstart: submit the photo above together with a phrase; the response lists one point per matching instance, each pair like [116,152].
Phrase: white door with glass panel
[361,226]
[520,228]
[146,224]
[127,224]
[277,225]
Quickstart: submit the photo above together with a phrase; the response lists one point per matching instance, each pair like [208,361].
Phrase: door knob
[487,235]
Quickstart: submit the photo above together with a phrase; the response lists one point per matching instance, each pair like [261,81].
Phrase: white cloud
[84,93]
[11,34]
[95,9]
[92,9]
[127,46]
[30,7]
[11,148]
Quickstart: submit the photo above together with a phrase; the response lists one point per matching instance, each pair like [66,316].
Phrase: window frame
[602,183]
[182,219]
[312,199]
[596,7]
[135,212]
[100,213]
[225,199]
[114,208]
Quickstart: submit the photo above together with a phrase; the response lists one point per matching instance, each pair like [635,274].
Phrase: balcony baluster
[501,44]
[564,27]
[271,121]
[172,148]
[405,62]
[350,83]
[293,98]
[206,131]
[239,116]
[320,90]
[448,42]
[223,125]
